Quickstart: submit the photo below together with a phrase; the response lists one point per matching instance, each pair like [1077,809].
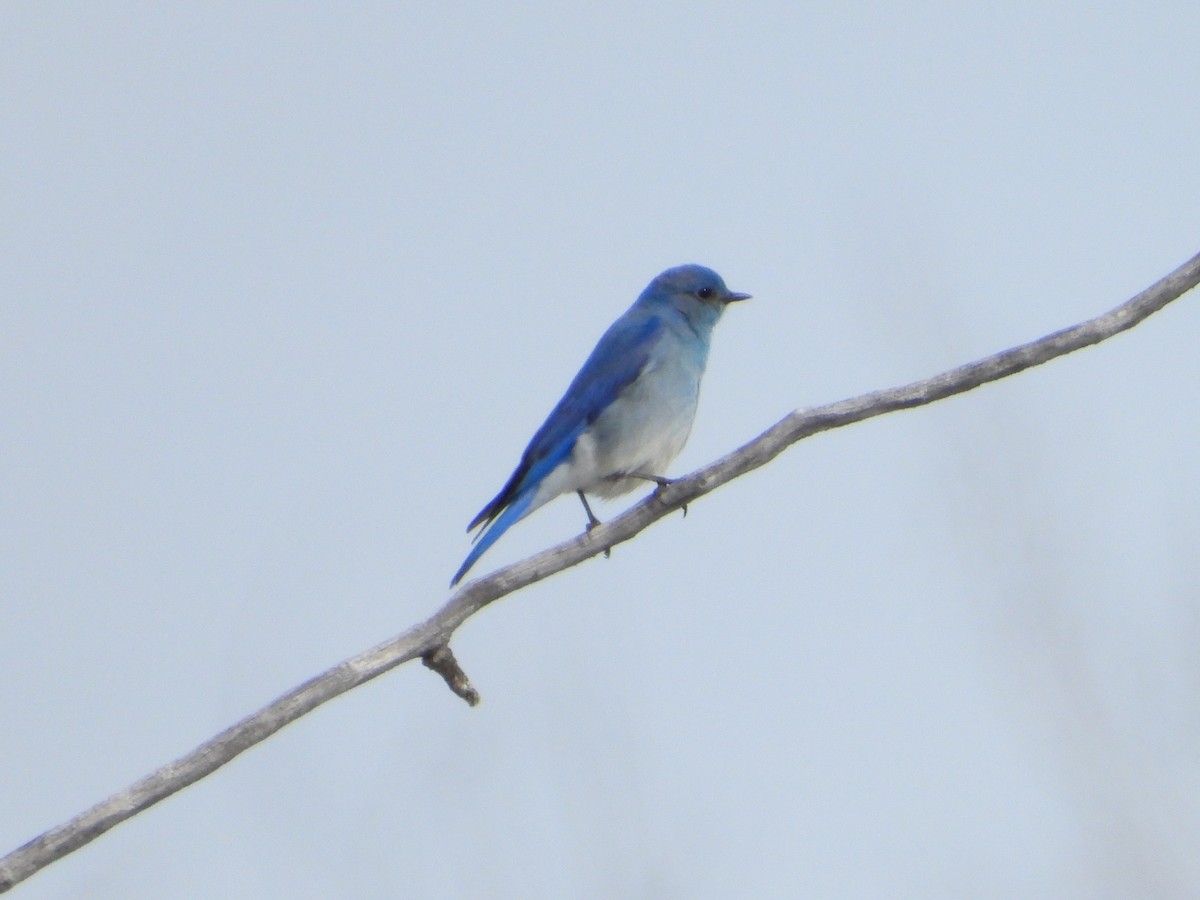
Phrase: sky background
[287,288]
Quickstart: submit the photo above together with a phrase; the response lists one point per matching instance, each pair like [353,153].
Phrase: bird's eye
[704,293]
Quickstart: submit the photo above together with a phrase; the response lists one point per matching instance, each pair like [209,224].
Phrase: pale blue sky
[288,287]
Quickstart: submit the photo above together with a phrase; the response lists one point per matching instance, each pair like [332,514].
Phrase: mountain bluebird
[628,412]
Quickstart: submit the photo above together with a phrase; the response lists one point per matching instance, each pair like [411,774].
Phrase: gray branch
[429,640]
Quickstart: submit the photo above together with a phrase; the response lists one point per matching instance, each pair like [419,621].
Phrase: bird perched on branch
[628,412]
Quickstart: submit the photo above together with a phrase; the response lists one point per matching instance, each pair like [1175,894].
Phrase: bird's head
[696,291]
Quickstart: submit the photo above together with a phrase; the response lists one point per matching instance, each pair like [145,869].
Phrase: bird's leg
[592,520]
[661,480]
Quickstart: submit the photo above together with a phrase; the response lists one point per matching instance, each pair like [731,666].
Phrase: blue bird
[628,412]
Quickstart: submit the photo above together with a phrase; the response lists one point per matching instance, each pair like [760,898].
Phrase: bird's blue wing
[618,359]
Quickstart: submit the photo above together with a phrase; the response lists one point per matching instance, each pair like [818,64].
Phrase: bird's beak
[734,296]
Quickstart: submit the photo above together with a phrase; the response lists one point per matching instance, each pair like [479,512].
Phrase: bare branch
[429,640]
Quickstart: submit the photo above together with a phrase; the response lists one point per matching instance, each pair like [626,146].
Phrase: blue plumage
[627,413]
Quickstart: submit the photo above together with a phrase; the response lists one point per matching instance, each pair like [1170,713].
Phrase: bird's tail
[512,513]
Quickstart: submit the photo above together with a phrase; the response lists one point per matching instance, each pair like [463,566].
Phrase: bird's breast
[643,429]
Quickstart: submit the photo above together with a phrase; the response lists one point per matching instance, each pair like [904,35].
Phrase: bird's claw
[588,530]
[662,483]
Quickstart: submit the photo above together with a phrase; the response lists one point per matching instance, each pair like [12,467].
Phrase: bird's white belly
[639,434]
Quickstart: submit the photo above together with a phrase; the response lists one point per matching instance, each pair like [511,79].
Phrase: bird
[628,412]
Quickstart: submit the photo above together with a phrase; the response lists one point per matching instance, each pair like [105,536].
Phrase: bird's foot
[592,520]
[661,482]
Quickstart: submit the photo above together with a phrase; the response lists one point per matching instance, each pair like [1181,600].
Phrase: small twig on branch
[429,639]
[441,660]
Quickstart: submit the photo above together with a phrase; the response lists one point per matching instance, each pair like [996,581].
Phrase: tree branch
[430,639]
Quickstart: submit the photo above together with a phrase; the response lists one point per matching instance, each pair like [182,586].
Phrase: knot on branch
[441,660]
